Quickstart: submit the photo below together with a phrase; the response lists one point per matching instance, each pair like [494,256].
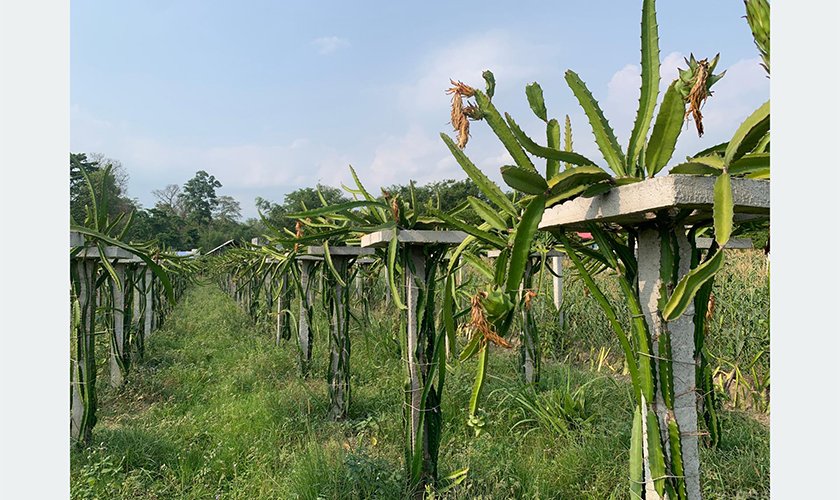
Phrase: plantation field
[216,410]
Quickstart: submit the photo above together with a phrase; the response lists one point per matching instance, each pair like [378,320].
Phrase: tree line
[194,215]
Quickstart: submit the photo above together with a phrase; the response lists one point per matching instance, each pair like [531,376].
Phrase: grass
[739,333]
[217,411]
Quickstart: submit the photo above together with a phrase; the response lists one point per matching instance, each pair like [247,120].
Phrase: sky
[270,97]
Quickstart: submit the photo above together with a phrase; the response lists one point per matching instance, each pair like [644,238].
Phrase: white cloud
[668,69]
[242,168]
[422,156]
[493,162]
[623,90]
[742,89]
[512,60]
[417,155]
[333,169]
[329,44]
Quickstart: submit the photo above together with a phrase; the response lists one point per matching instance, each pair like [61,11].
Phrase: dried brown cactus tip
[460,88]
[698,94]
[459,114]
[530,295]
[463,134]
[395,209]
[710,308]
[480,326]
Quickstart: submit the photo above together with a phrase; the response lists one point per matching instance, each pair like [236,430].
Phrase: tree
[449,193]
[119,172]
[305,198]
[162,225]
[199,198]
[227,210]
[108,178]
[296,201]
[169,198]
[79,162]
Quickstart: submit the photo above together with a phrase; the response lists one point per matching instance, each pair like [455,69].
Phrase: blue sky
[273,96]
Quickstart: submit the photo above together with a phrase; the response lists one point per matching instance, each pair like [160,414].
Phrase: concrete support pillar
[268,293]
[682,360]
[415,277]
[117,363]
[305,316]
[83,379]
[148,325]
[282,307]
[416,363]
[135,316]
[387,289]
[339,371]
[421,255]
[557,281]
[529,348]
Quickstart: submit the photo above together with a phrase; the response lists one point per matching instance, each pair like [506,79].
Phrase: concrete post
[282,305]
[149,316]
[305,316]
[83,380]
[339,371]
[557,281]
[118,342]
[387,289]
[415,279]
[640,205]
[682,355]
[136,311]
[529,348]
[268,292]
[530,356]
[418,344]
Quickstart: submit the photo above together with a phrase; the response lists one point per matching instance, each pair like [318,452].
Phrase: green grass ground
[217,411]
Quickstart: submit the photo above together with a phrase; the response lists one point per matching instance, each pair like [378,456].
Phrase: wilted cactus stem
[695,84]
[479,325]
[460,114]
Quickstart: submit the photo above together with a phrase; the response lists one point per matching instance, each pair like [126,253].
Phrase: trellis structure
[339,278]
[423,350]
[662,215]
[268,278]
[306,311]
[104,280]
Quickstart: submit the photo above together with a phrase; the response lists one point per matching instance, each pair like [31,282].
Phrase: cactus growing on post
[307,271]
[120,296]
[83,377]
[661,364]
[509,227]
[420,265]
[338,311]
[91,267]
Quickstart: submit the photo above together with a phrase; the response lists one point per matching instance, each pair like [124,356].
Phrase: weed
[216,409]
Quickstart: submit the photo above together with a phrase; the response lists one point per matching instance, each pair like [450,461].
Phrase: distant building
[187,253]
[224,246]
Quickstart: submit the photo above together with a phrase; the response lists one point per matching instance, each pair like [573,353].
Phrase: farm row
[659,239]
